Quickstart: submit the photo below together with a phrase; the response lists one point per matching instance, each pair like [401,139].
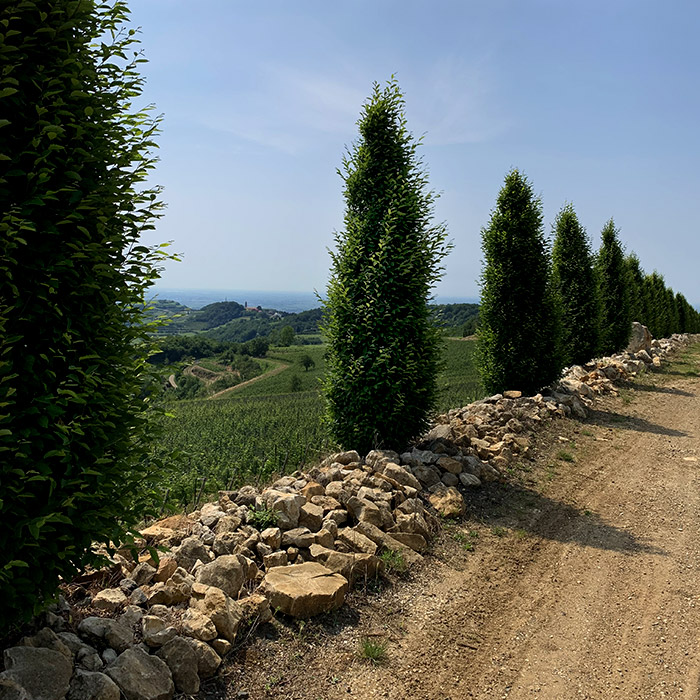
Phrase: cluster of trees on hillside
[543,309]
[456,319]
[194,347]
[230,322]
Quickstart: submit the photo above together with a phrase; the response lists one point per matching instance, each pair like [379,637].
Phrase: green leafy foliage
[262,517]
[518,330]
[75,437]
[635,282]
[574,282]
[613,291]
[383,351]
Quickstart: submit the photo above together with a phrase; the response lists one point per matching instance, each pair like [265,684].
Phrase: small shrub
[262,518]
[499,531]
[373,650]
[565,456]
[394,561]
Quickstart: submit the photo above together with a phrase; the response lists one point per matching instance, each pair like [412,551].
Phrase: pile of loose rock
[294,547]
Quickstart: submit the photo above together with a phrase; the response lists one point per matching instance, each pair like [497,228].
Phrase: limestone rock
[44,673]
[287,507]
[46,638]
[141,676]
[352,566]
[311,517]
[109,599]
[224,572]
[298,537]
[453,466]
[312,489]
[156,631]
[198,626]
[344,458]
[413,540]
[208,661]
[143,574]
[210,514]
[275,559]
[169,531]
[166,568]
[401,475]
[272,537]
[175,590]
[357,541]
[364,510]
[427,476]
[256,607]
[324,537]
[183,664]
[449,479]
[225,613]
[222,647]
[106,631]
[439,432]
[304,590]
[87,685]
[190,550]
[447,501]
[468,479]
[385,541]
[378,459]
[640,338]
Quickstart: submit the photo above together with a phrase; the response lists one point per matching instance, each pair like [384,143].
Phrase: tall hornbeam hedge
[383,350]
[518,334]
[75,455]
[574,281]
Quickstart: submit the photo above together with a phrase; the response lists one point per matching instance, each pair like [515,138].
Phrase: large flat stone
[304,590]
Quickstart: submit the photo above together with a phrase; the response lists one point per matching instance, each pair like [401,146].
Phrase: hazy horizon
[290,301]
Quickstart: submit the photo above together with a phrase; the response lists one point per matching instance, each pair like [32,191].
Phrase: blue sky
[596,102]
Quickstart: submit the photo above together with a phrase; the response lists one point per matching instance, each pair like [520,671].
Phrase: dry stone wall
[295,547]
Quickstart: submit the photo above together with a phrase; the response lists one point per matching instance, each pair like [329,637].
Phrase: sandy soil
[583,580]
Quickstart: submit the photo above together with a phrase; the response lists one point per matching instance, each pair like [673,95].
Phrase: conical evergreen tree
[383,350]
[518,328]
[574,281]
[613,292]
[635,281]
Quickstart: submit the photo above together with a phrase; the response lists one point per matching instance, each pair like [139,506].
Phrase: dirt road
[583,582]
[277,368]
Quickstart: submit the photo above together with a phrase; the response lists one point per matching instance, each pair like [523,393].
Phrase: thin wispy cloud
[457,102]
[448,101]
